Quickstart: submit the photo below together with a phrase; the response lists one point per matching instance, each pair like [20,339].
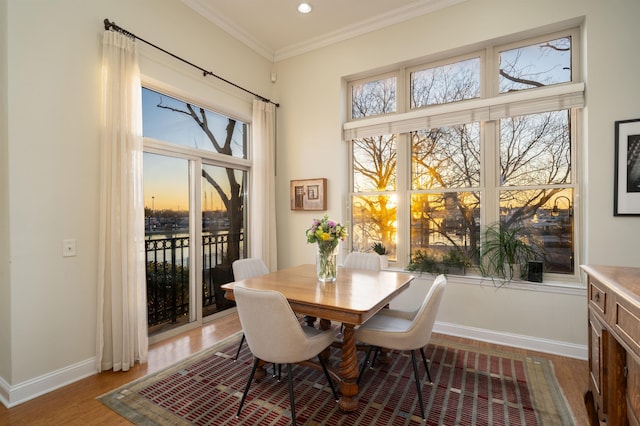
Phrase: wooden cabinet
[614,344]
[597,358]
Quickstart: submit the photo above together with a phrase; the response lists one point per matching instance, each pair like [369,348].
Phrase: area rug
[471,386]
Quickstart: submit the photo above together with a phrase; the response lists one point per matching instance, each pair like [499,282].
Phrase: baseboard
[4,392]
[11,396]
[515,340]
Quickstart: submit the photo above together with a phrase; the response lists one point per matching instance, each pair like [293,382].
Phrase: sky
[166,179]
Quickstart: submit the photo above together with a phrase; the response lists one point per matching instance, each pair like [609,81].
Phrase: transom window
[440,151]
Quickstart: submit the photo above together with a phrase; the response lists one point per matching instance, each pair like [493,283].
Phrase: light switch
[69,248]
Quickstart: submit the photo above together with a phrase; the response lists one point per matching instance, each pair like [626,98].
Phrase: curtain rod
[113,27]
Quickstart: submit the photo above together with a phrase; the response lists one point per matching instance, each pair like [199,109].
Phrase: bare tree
[233,202]
[374,169]
[535,150]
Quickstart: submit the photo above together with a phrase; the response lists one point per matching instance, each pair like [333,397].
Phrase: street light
[556,212]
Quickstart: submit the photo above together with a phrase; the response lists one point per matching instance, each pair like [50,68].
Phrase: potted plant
[454,261]
[505,251]
[384,254]
[422,261]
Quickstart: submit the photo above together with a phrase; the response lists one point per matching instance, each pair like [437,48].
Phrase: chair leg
[276,370]
[364,364]
[246,389]
[418,384]
[326,374]
[291,401]
[279,371]
[239,347]
[426,367]
[375,356]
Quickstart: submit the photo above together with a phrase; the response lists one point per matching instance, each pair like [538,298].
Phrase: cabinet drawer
[627,324]
[597,296]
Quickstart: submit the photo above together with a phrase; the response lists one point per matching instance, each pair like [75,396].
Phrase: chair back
[271,328]
[362,261]
[419,332]
[248,268]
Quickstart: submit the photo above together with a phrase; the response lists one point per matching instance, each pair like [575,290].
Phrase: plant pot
[384,261]
[512,271]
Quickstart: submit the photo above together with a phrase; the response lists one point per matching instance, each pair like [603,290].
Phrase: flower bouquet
[327,233]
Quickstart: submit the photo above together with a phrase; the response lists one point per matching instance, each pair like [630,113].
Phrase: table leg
[325,324]
[349,371]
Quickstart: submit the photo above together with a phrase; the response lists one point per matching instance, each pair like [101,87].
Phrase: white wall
[310,89]
[51,176]
[5,293]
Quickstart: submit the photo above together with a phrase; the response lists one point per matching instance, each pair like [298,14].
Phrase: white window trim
[489,108]
[196,158]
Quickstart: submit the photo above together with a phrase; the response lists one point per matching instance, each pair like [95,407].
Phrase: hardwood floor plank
[76,403]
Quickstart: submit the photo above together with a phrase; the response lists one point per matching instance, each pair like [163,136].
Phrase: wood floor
[76,404]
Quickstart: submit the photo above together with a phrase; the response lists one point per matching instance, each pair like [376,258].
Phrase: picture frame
[627,168]
[308,194]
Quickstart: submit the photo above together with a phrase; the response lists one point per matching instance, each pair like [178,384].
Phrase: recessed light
[304,8]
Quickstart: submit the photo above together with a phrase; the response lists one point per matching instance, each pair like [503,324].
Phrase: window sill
[552,285]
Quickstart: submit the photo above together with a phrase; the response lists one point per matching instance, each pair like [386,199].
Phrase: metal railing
[167,274]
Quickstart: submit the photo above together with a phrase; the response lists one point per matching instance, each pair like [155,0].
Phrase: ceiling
[276,30]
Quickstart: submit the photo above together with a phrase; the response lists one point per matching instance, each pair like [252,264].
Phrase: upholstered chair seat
[274,334]
[404,331]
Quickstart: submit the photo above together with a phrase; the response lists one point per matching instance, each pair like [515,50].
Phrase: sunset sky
[166,179]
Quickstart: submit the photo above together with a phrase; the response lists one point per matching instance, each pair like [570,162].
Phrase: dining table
[354,297]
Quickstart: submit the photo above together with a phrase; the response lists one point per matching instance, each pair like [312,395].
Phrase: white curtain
[122,306]
[263,189]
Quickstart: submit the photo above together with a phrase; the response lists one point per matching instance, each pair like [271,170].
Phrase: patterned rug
[471,386]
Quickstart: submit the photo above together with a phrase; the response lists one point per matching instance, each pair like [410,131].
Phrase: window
[195,178]
[374,201]
[445,190]
[539,64]
[482,138]
[373,97]
[445,83]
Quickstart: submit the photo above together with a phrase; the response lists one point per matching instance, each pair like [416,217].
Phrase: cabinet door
[633,390]
[597,354]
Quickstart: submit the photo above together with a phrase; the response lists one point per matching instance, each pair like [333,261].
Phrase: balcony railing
[168,262]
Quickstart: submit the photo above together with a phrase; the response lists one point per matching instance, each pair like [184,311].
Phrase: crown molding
[363,27]
[402,14]
[230,27]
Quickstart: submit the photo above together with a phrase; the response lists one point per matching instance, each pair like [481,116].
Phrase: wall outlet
[69,248]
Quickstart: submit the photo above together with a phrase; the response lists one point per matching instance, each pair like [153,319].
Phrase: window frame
[492,106]
[196,159]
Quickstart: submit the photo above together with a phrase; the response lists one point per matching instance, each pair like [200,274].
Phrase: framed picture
[309,194]
[627,178]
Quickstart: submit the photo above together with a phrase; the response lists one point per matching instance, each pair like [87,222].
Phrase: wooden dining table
[352,299]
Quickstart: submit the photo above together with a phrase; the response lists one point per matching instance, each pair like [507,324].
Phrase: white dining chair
[363,261]
[275,335]
[248,268]
[404,331]
[242,270]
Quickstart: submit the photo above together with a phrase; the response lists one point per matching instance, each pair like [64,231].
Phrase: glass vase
[327,261]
